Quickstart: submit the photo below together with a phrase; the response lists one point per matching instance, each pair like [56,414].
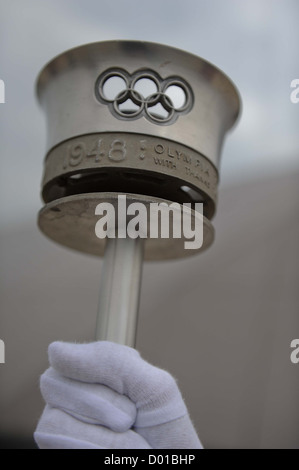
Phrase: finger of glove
[177,434]
[59,430]
[92,403]
[153,390]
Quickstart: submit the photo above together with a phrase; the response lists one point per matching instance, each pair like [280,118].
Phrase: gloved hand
[103,395]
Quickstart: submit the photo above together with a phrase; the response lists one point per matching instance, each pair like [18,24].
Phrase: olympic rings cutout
[144,93]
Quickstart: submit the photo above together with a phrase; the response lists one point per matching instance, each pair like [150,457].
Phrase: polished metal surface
[120,291]
[138,117]
[67,89]
[142,120]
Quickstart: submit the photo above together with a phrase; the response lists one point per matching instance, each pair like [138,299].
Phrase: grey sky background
[255,42]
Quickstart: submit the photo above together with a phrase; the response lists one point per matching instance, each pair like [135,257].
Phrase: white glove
[105,396]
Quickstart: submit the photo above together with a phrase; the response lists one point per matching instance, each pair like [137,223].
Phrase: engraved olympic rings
[144,93]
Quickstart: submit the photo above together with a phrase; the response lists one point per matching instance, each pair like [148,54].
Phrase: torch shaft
[120,291]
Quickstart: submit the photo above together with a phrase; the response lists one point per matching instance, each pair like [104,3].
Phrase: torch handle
[120,291]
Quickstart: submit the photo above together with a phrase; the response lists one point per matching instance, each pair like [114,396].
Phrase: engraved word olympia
[144,93]
[116,151]
[2,92]
[95,151]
